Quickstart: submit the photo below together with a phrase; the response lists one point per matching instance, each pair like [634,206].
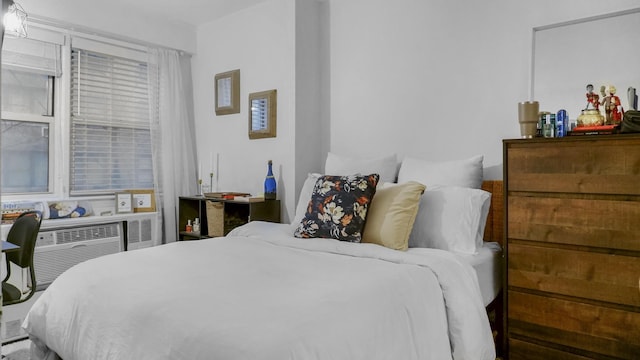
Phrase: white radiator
[58,250]
[141,232]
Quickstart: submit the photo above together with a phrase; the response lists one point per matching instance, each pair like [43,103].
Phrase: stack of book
[594,130]
[235,196]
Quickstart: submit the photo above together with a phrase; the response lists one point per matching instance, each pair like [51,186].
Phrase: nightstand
[219,216]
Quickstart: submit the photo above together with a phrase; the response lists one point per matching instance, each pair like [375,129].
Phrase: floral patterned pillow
[338,207]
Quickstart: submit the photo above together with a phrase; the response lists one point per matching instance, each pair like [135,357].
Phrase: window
[27,114]
[25,157]
[75,116]
[110,126]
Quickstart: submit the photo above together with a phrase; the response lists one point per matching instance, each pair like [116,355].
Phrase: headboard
[493,231]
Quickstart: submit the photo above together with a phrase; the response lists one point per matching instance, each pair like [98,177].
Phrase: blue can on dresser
[562,121]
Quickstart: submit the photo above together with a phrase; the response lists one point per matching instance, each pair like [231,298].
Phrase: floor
[12,318]
[17,350]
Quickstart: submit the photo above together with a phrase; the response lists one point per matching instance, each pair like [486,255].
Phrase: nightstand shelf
[219,216]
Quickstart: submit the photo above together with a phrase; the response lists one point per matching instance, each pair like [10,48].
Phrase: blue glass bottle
[270,184]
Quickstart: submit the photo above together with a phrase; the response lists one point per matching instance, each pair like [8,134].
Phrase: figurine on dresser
[612,106]
[590,115]
[593,99]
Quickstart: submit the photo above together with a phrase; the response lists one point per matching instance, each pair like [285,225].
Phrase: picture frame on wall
[263,114]
[227,92]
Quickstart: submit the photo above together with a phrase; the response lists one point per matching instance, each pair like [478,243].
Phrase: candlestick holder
[200,187]
[211,180]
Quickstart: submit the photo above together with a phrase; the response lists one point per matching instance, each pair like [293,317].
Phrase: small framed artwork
[227,86]
[144,200]
[263,111]
[124,202]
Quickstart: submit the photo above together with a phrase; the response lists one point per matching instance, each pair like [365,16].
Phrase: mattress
[487,263]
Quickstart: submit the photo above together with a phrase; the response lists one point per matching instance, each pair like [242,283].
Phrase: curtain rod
[90,32]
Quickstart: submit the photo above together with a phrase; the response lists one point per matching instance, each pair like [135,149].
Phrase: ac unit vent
[95,232]
[140,232]
[58,250]
[134,231]
[146,231]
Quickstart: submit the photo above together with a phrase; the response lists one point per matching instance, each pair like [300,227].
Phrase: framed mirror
[263,111]
[601,50]
[227,86]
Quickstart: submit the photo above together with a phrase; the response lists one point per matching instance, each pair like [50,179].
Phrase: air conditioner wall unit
[59,249]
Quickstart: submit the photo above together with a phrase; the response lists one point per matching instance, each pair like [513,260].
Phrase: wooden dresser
[572,212]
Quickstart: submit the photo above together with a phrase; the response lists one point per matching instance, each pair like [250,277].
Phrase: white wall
[109,19]
[433,79]
[436,79]
[260,41]
[312,130]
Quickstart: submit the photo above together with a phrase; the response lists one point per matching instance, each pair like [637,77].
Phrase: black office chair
[23,233]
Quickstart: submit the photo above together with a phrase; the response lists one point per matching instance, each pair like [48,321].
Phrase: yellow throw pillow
[392,213]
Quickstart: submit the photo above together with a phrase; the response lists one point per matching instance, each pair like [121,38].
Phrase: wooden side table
[219,216]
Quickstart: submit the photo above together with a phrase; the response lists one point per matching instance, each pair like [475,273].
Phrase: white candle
[211,154]
[199,170]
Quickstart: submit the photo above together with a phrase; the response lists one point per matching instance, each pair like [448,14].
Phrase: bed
[262,293]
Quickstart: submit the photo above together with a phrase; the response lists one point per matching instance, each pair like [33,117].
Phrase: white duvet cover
[260,293]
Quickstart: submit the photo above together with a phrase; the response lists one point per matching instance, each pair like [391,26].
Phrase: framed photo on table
[227,86]
[124,202]
[144,200]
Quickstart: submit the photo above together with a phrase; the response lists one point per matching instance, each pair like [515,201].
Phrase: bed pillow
[392,214]
[386,167]
[451,218]
[464,173]
[304,198]
[338,207]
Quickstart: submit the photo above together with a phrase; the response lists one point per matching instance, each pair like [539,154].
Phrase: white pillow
[464,173]
[305,197]
[451,218]
[386,167]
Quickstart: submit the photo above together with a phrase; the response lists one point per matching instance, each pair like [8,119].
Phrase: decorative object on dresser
[219,215]
[573,254]
[528,118]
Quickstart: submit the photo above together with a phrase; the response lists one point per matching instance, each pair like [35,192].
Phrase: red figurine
[593,100]
[612,106]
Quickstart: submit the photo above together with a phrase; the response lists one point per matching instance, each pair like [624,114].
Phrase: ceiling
[192,12]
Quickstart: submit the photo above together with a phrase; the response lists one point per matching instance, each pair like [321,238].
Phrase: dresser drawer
[587,275]
[585,166]
[611,224]
[522,350]
[570,324]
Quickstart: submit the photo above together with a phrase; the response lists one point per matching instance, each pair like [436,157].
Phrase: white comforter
[260,294]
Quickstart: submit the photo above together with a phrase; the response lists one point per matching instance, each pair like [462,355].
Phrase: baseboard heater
[59,249]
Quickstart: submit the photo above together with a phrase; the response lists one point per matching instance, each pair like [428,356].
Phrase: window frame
[60,123]
[52,121]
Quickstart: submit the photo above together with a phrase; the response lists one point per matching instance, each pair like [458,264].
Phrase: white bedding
[259,293]
[487,263]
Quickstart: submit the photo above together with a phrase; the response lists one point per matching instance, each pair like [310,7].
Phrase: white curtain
[172,134]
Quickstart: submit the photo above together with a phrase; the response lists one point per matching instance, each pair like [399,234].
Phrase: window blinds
[110,134]
[31,55]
